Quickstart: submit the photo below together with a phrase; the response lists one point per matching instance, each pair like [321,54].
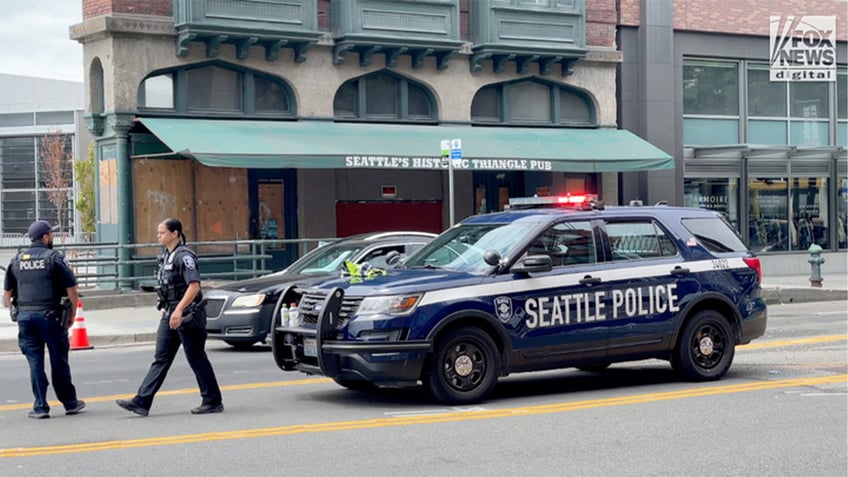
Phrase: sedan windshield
[324,260]
[461,248]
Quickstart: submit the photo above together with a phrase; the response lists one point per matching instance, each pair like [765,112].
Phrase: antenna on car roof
[661,203]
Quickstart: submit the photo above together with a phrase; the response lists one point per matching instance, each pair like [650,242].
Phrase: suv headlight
[249,301]
[388,305]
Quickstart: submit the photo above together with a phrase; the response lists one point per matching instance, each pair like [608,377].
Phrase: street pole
[450,190]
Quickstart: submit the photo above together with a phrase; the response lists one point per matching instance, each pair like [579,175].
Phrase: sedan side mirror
[392,258]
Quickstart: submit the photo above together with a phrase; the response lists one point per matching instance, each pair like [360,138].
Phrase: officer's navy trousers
[35,330]
[168,341]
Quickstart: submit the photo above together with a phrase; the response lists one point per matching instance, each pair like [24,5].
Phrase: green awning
[323,145]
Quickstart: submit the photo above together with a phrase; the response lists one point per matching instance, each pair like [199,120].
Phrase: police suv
[532,289]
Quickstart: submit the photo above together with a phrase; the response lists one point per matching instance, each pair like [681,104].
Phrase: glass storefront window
[808,100]
[808,133]
[720,194]
[842,213]
[767,214]
[809,213]
[710,132]
[767,132]
[766,98]
[710,88]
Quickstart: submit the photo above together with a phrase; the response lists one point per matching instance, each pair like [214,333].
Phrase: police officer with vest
[183,321]
[36,282]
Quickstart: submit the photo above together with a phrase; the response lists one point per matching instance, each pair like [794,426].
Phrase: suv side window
[714,234]
[634,240]
[567,243]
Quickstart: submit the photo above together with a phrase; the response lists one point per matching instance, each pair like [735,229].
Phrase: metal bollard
[816,260]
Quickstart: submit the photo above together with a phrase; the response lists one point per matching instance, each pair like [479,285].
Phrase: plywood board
[222,207]
[162,188]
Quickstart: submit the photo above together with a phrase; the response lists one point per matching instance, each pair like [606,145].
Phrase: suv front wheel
[706,347]
[464,367]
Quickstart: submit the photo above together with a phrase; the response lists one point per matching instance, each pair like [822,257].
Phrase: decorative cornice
[122,24]
[120,123]
[94,123]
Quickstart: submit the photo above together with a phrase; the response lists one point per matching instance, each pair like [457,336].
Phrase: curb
[10,345]
[128,300]
[777,296]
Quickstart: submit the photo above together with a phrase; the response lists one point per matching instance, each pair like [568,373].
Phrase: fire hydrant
[816,260]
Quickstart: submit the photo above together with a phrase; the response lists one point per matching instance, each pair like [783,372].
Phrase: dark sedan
[240,313]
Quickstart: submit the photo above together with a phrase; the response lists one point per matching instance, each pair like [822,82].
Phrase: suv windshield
[324,260]
[461,248]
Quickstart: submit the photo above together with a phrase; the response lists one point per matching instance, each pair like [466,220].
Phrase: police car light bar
[576,201]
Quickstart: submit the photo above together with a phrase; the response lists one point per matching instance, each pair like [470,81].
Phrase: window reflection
[268,96]
[719,194]
[767,214]
[214,88]
[158,92]
[809,213]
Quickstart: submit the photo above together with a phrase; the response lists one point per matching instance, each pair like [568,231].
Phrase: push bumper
[317,351]
[388,364]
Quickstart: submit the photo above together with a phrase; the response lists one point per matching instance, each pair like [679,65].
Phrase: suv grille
[308,314]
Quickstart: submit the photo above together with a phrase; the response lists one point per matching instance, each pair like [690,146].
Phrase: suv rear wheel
[706,347]
[464,368]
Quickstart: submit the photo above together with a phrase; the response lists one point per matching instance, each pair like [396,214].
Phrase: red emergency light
[577,201]
[572,199]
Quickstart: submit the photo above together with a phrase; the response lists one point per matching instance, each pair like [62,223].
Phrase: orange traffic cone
[79,335]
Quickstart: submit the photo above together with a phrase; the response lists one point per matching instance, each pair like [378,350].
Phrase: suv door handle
[678,271]
[590,280]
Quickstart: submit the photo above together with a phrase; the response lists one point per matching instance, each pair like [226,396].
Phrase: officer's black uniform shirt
[61,277]
[178,269]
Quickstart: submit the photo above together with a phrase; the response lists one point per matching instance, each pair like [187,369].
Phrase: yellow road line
[418,419]
[795,342]
[300,382]
[179,392]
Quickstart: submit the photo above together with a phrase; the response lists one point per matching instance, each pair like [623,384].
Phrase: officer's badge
[189,263]
[503,308]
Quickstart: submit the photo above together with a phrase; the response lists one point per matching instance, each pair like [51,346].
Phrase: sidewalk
[112,322]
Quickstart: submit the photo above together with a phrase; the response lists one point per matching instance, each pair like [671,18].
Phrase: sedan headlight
[249,301]
[388,305]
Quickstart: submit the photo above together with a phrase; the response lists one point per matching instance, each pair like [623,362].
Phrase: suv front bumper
[384,363]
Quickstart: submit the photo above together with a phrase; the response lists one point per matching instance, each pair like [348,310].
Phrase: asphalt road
[781,410]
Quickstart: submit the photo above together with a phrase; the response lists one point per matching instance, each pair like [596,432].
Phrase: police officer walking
[183,321]
[36,282]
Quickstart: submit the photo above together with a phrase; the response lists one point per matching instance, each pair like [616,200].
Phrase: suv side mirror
[533,264]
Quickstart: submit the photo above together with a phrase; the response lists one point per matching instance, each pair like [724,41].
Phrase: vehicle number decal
[721,264]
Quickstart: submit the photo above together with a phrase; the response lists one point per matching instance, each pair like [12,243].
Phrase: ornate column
[120,125]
